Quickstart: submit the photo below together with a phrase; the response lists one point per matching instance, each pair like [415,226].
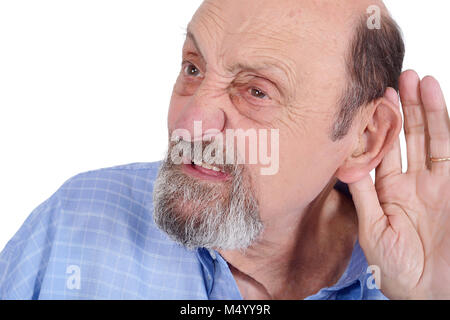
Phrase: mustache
[198,214]
[203,151]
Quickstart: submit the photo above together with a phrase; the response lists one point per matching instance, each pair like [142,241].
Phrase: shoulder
[137,176]
[121,188]
[115,193]
[114,201]
[101,222]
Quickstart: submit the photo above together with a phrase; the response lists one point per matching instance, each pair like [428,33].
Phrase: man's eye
[191,70]
[257,93]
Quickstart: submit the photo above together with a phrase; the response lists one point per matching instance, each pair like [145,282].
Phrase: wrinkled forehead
[279,23]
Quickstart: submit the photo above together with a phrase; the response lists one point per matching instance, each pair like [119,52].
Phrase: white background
[86,84]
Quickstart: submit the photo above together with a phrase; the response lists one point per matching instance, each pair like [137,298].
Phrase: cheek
[306,166]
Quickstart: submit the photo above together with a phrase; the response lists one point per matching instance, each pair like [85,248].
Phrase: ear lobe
[379,131]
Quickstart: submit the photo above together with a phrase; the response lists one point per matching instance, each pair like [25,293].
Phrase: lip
[203,173]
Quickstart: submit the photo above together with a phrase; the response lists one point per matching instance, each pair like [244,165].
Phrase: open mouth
[206,171]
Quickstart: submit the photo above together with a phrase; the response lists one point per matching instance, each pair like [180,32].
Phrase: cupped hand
[404,219]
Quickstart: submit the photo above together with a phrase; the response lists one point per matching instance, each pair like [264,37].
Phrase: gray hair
[374,63]
[198,213]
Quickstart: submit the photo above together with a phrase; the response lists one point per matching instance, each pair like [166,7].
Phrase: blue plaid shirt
[95,239]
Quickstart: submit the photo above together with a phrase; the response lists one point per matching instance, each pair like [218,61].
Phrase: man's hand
[404,220]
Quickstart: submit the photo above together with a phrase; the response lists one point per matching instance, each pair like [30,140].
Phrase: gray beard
[196,213]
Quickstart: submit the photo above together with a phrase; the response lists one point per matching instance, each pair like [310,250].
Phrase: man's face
[262,65]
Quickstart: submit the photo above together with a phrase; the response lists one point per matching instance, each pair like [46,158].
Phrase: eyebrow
[191,36]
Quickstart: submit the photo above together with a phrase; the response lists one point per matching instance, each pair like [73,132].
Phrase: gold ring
[439,159]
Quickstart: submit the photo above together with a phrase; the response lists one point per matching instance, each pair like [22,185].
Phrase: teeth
[207,166]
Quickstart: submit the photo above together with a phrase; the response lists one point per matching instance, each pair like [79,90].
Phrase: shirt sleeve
[24,259]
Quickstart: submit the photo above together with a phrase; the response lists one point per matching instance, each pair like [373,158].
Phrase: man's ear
[376,134]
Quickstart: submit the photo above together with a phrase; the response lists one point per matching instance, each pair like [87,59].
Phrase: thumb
[367,204]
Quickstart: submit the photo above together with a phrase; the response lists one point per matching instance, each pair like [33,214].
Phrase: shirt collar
[355,271]
[207,260]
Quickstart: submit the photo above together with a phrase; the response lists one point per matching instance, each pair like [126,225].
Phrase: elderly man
[321,79]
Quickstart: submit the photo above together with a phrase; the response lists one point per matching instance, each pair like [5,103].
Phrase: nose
[202,116]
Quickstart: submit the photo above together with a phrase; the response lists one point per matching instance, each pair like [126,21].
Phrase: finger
[391,164]
[414,124]
[392,161]
[438,123]
[368,209]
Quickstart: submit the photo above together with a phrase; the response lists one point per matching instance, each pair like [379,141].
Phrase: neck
[298,254]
